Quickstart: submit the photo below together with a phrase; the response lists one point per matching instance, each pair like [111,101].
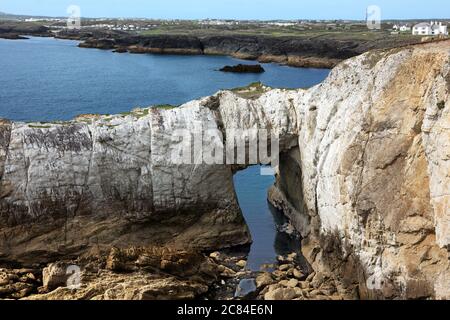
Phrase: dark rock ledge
[244,68]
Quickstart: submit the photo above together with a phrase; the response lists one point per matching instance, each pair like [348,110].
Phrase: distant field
[340,30]
[348,32]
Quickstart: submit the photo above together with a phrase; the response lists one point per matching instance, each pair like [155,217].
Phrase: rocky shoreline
[17,31]
[161,273]
[318,52]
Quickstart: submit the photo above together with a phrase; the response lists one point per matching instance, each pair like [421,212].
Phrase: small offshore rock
[244,68]
[120,50]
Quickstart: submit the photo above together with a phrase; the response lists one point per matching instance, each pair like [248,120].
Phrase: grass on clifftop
[165,106]
[252,91]
[339,31]
[39,126]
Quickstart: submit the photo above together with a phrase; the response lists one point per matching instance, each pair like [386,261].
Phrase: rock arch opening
[271,230]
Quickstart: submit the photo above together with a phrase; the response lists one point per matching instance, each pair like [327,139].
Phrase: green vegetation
[330,30]
[39,126]
[252,86]
[110,126]
[252,91]
[87,121]
[164,107]
[441,105]
[139,113]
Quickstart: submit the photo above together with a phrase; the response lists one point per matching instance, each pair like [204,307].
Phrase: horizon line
[223,18]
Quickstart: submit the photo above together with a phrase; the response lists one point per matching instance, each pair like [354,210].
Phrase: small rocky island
[244,68]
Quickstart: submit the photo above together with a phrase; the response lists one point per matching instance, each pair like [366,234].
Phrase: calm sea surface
[43,79]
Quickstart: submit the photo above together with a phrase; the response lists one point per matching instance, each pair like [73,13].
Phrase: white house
[430,29]
[401,28]
[405,28]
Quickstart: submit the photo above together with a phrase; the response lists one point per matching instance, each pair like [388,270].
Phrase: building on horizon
[430,29]
[401,27]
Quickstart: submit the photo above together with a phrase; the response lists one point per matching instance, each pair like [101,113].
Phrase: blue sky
[235,9]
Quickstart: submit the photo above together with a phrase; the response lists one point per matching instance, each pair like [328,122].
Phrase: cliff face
[12,30]
[371,191]
[99,181]
[363,175]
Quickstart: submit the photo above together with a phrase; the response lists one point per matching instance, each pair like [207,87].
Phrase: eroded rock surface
[110,180]
[315,52]
[371,194]
[135,273]
[102,181]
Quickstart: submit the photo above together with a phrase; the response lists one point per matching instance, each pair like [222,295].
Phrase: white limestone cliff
[375,182]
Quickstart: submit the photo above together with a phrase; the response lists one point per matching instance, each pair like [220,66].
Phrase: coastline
[302,52]
[324,51]
[102,44]
[237,47]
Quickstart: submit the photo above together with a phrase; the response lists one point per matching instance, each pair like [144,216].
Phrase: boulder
[284,267]
[264,279]
[281,294]
[55,275]
[298,274]
[215,255]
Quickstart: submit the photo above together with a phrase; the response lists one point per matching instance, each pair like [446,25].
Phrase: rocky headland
[16,31]
[324,51]
[318,52]
[363,177]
